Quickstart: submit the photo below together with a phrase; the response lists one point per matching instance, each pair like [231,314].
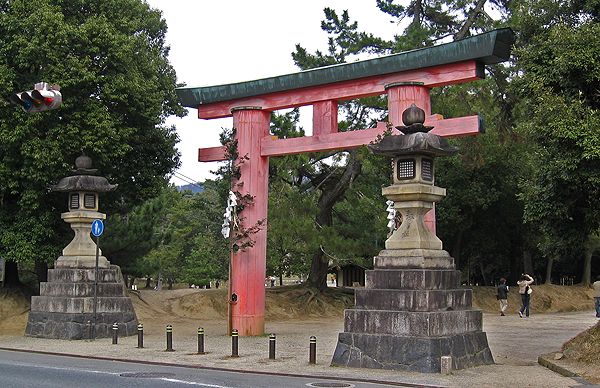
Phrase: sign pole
[96,286]
[97,229]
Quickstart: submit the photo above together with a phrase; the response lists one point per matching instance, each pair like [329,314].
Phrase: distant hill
[194,188]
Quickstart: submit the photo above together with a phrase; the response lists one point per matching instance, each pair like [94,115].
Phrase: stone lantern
[78,301]
[413,313]
[83,189]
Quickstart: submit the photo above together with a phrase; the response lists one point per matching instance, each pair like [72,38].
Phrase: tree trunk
[485,283]
[281,278]
[41,271]
[148,283]
[318,271]
[549,269]
[456,248]
[586,276]
[11,274]
[332,189]
[527,263]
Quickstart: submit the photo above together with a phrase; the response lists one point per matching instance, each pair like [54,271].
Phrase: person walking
[597,296]
[525,290]
[502,295]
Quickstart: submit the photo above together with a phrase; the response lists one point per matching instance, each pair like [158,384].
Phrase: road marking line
[192,383]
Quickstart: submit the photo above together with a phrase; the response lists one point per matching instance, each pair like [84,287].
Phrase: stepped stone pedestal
[407,318]
[64,309]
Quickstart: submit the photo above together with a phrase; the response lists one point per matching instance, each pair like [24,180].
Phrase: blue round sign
[97,228]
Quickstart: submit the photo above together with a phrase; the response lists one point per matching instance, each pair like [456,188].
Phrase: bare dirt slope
[285,303]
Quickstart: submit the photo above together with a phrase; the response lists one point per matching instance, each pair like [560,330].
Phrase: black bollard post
[140,336]
[88,328]
[169,338]
[201,340]
[272,347]
[115,333]
[312,355]
[234,343]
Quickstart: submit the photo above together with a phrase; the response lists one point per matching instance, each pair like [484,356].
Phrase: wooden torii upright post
[405,78]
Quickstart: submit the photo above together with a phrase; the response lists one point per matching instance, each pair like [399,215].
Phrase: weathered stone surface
[75,305]
[418,279]
[415,323]
[76,326]
[64,309]
[413,258]
[81,289]
[421,354]
[414,300]
[75,275]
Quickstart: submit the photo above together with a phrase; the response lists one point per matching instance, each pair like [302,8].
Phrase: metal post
[96,287]
[88,329]
[201,340]
[272,346]
[169,338]
[234,343]
[115,333]
[312,355]
[140,336]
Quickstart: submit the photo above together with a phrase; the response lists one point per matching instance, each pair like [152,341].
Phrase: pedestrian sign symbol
[97,228]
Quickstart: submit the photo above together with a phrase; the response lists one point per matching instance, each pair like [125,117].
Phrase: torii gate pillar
[248,266]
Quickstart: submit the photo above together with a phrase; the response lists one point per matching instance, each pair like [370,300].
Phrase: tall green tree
[558,55]
[110,59]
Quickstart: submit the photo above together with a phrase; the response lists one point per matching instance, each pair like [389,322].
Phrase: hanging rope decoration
[391,216]
[229,216]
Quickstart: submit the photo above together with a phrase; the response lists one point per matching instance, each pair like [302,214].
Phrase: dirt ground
[297,307]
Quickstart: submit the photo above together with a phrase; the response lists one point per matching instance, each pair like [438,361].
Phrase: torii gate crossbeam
[405,78]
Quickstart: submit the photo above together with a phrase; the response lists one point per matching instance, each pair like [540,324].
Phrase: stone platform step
[422,279]
[413,323]
[45,324]
[78,275]
[413,300]
[420,354]
[81,289]
[74,305]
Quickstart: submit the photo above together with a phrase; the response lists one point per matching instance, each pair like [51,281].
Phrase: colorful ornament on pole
[41,98]
[229,214]
[391,215]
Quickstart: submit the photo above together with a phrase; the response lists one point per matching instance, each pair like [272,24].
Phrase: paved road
[19,369]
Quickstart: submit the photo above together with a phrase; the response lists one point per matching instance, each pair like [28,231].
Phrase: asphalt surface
[515,343]
[25,369]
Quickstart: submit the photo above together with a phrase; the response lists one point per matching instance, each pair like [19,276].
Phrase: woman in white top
[525,291]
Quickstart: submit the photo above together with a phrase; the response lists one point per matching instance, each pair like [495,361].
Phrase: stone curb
[545,361]
[323,377]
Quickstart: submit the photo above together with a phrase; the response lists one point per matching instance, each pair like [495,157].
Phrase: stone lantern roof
[415,143]
[416,138]
[84,179]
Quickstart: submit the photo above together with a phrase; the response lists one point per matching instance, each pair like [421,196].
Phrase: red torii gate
[406,78]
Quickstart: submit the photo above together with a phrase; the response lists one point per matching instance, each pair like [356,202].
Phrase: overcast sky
[219,42]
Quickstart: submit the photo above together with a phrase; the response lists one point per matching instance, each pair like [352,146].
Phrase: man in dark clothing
[502,296]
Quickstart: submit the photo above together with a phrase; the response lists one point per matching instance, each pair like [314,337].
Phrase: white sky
[217,42]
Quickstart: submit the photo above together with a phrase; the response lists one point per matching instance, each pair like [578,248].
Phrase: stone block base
[64,309]
[419,354]
[75,326]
